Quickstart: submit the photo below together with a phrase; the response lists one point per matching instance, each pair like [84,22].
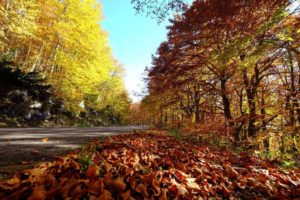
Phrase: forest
[229,72]
[56,66]
[219,116]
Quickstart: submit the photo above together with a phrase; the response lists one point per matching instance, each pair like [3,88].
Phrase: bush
[25,98]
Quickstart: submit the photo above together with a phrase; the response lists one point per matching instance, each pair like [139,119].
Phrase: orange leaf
[44,140]
[118,185]
[141,188]
[96,187]
[92,172]
[232,173]
[163,195]
[38,193]
[10,184]
[106,195]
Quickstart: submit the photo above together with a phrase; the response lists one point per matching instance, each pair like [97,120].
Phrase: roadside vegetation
[56,66]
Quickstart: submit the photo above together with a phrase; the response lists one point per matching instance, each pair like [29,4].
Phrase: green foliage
[175,133]
[85,162]
[101,173]
[288,163]
[144,171]
[102,139]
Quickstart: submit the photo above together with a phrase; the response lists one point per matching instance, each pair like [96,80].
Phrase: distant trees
[235,59]
[65,43]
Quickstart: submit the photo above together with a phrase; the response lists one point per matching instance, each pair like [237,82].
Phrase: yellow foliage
[63,40]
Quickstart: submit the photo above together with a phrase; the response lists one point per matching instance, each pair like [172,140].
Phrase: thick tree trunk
[292,91]
[160,122]
[298,90]
[263,112]
[226,102]
[166,119]
[197,115]
[289,107]
[251,89]
[227,111]
[197,107]
[252,116]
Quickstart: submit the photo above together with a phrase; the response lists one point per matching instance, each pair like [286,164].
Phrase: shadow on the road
[17,145]
[25,145]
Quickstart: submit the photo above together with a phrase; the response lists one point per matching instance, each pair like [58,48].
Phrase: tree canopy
[232,64]
[65,43]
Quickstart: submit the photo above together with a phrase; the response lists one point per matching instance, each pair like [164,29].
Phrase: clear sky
[133,38]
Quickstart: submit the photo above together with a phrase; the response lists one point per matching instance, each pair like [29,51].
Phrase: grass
[175,133]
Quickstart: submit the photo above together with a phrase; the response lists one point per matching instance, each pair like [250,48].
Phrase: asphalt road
[25,145]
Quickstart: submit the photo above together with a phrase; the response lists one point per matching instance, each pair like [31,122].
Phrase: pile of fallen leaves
[153,166]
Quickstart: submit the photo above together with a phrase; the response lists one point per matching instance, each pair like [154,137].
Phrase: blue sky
[133,38]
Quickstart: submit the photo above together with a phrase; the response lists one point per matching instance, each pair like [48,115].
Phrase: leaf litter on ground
[153,165]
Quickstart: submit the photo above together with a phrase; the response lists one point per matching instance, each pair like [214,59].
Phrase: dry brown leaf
[177,172]
[118,185]
[262,178]
[96,187]
[50,180]
[141,188]
[127,195]
[35,151]
[163,195]
[106,195]
[92,172]
[38,193]
[232,173]
[156,186]
[24,162]
[10,184]
[44,140]
[79,191]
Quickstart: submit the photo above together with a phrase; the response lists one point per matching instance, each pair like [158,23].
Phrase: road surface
[25,145]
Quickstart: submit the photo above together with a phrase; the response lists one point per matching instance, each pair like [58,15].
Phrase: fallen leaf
[118,185]
[35,151]
[44,140]
[92,172]
[38,193]
[106,195]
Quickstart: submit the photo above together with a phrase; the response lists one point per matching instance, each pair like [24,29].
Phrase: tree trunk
[227,111]
[298,90]
[251,89]
[197,107]
[226,102]
[263,112]
[166,119]
[293,99]
[197,115]
[252,116]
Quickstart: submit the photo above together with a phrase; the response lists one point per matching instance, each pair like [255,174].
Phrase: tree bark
[251,89]
[252,115]
[227,111]
[263,112]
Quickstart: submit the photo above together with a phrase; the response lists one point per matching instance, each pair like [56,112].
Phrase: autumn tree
[230,51]
[64,41]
